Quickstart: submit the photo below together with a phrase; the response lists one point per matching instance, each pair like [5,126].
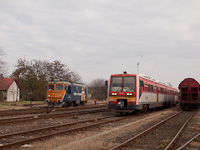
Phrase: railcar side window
[146,87]
[154,89]
[59,87]
[151,88]
[159,90]
[51,87]
[73,88]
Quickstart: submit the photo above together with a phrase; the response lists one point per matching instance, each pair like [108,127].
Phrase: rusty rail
[54,126]
[187,143]
[45,116]
[169,146]
[44,109]
[144,132]
[61,132]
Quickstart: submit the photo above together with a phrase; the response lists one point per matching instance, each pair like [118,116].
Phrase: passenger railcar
[189,95]
[129,92]
[63,93]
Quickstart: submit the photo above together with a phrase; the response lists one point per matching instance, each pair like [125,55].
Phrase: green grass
[19,103]
[163,145]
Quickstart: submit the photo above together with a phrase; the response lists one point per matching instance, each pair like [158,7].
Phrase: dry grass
[91,140]
[101,139]
[75,142]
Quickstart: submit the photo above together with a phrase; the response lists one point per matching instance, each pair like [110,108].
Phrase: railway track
[170,145]
[52,115]
[43,133]
[45,109]
[129,143]
[189,144]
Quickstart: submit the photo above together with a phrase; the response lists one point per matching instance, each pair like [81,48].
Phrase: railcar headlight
[59,95]
[114,93]
[49,95]
[129,94]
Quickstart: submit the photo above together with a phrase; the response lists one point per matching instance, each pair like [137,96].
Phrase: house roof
[5,83]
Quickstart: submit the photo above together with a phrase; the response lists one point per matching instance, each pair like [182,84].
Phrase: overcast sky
[97,38]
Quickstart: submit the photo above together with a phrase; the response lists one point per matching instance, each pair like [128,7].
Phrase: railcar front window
[129,84]
[59,87]
[116,84]
[51,87]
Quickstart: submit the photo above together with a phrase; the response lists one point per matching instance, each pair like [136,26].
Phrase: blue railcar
[63,93]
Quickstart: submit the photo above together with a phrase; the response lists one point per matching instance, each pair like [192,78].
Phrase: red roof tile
[5,83]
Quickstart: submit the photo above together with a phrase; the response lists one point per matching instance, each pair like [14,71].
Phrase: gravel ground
[109,135]
[105,136]
[160,137]
[22,126]
[192,129]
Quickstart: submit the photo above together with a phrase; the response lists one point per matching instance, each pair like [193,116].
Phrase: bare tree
[34,75]
[57,70]
[2,64]
[27,79]
[2,71]
[97,89]
[75,77]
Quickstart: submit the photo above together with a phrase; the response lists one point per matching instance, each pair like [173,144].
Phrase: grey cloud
[97,38]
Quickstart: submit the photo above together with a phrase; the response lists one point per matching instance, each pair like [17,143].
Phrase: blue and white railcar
[65,93]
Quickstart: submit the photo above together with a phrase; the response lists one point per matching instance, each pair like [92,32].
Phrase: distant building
[9,89]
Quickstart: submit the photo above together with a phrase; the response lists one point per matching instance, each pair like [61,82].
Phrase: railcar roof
[146,77]
[65,82]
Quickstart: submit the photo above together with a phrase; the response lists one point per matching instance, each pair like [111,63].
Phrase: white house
[9,89]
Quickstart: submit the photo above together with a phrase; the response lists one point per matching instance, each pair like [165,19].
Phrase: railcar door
[69,89]
[69,97]
[157,91]
[141,87]
[83,94]
[173,98]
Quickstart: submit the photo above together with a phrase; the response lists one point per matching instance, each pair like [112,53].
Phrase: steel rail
[44,109]
[187,143]
[169,146]
[45,116]
[55,126]
[59,133]
[144,132]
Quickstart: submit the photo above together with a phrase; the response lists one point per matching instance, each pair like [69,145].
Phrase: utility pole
[138,67]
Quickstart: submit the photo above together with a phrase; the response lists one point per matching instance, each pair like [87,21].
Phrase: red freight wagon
[189,93]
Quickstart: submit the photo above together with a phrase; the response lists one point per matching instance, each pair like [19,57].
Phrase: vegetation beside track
[20,103]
